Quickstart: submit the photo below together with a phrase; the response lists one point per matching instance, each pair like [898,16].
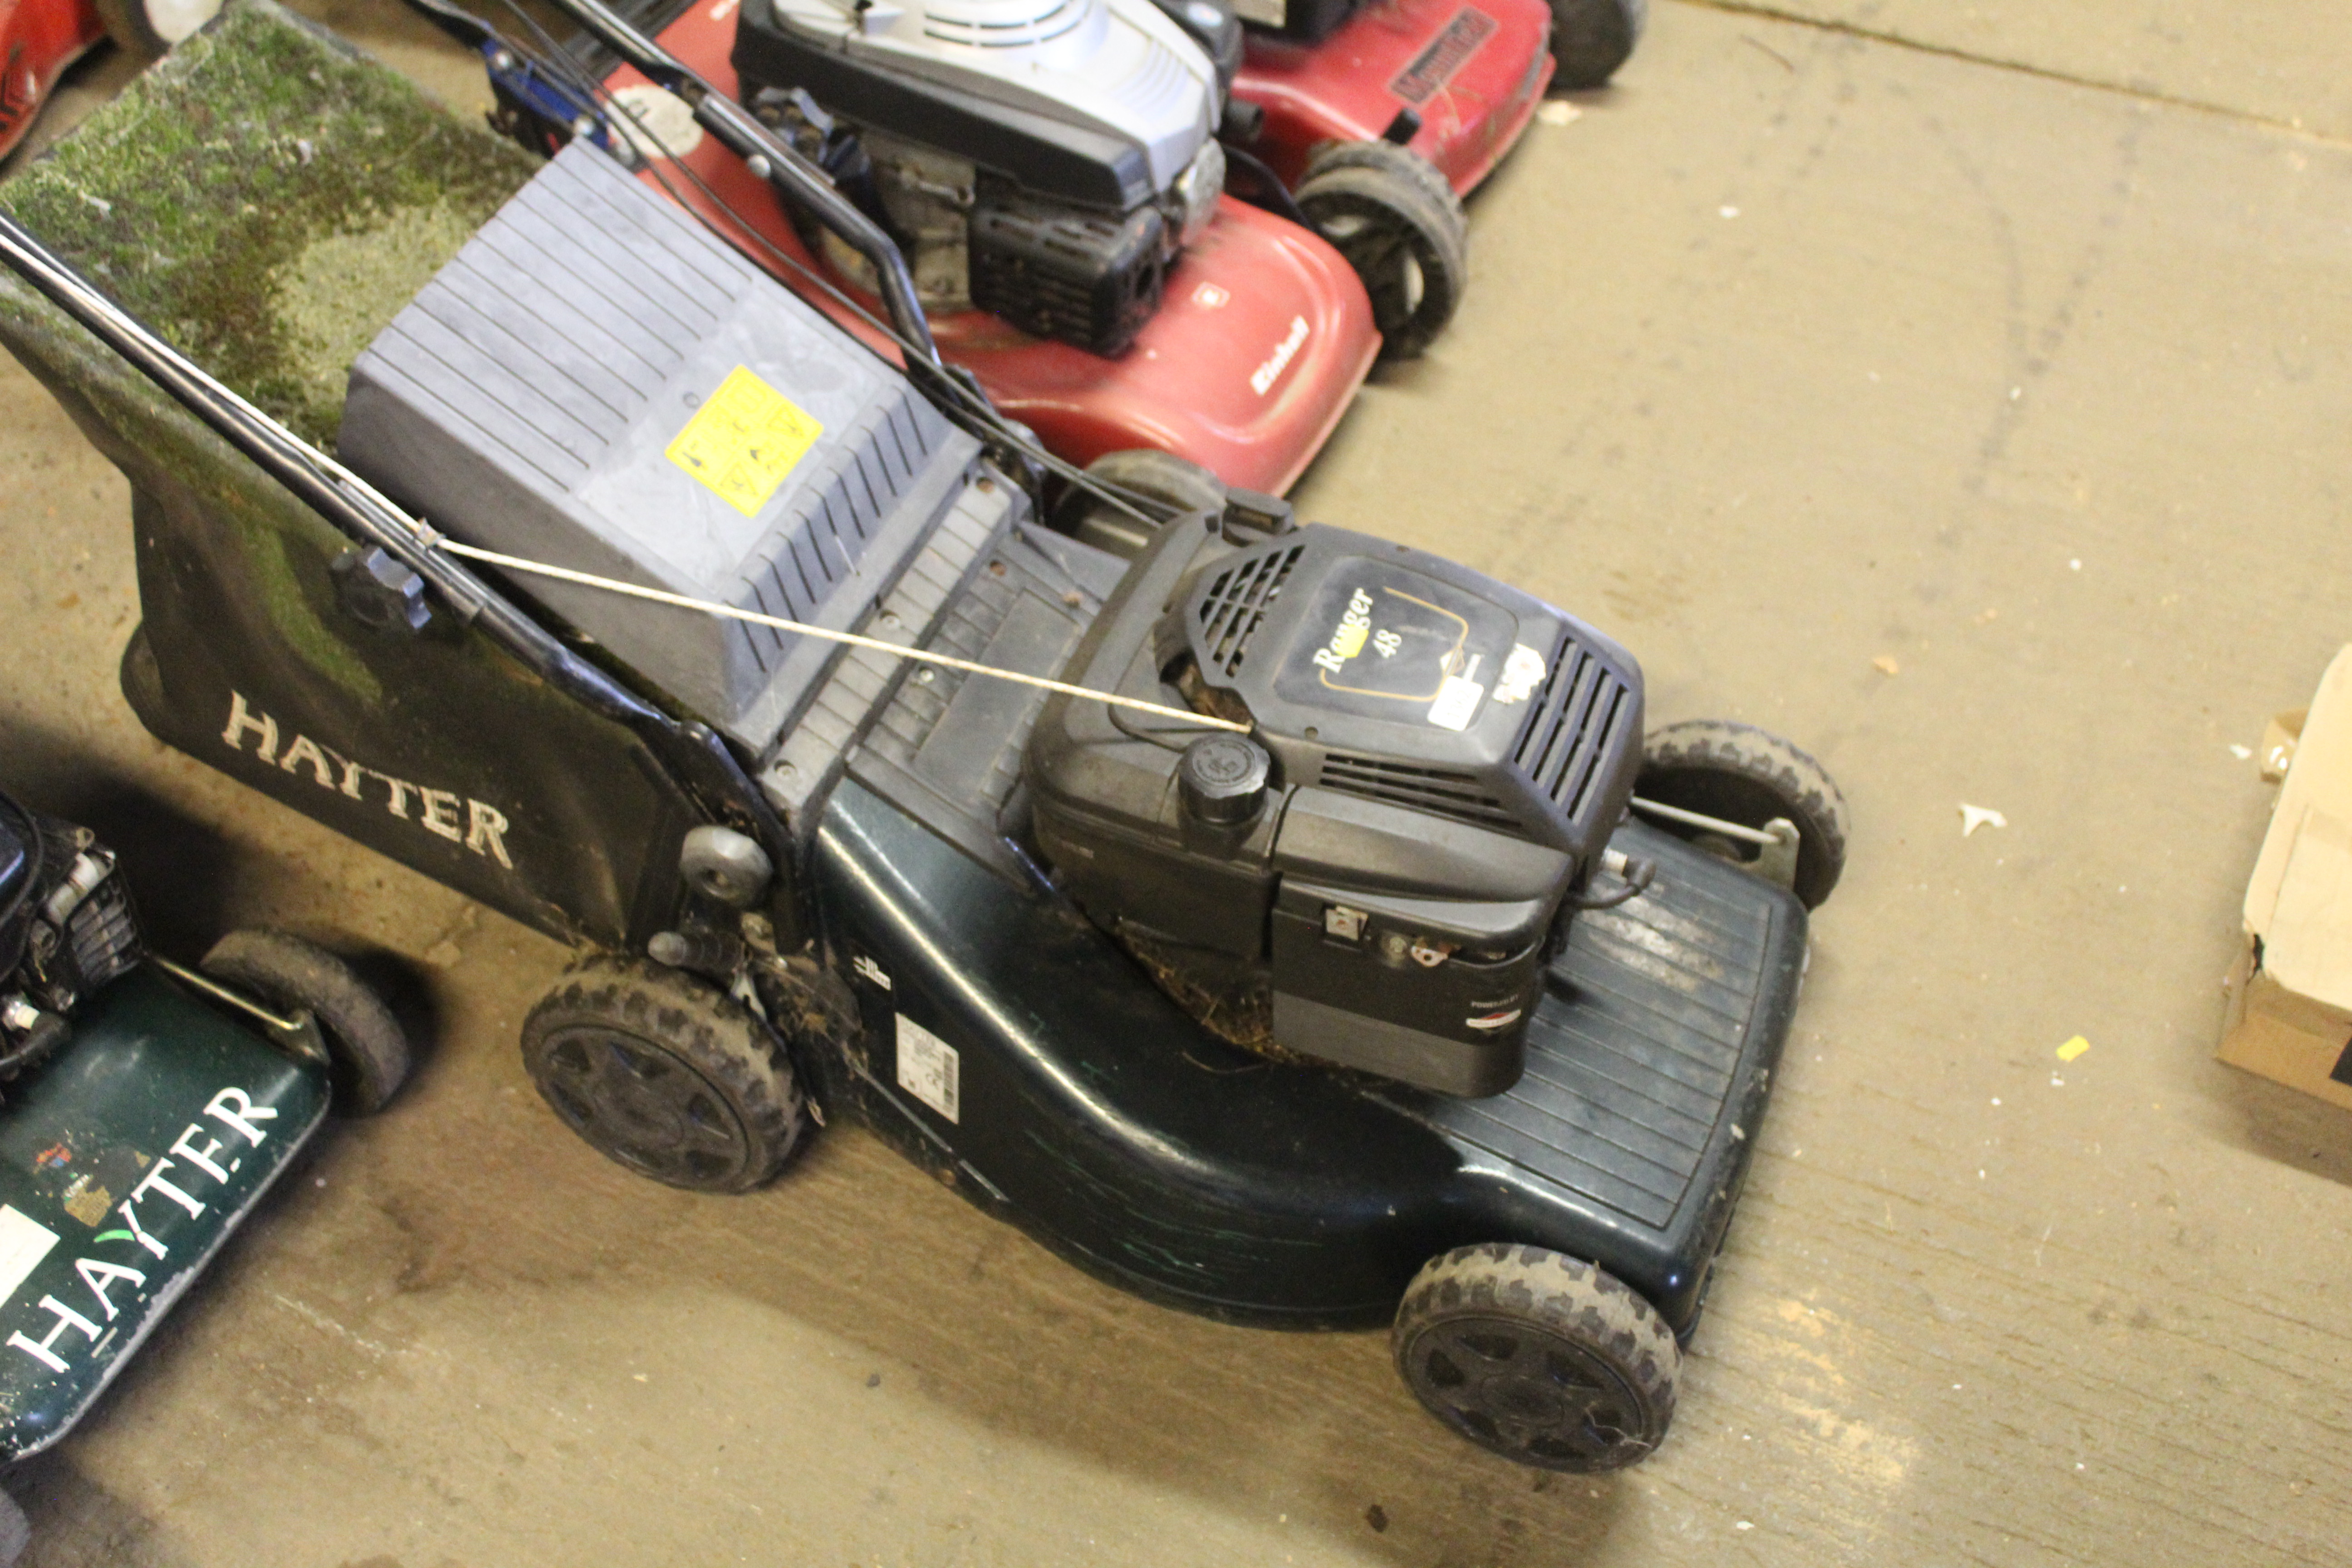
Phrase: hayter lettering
[479,826]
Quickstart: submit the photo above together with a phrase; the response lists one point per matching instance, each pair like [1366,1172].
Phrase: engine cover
[1106,103]
[1063,273]
[1442,758]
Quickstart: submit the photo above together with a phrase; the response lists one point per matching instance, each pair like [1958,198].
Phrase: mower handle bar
[771,158]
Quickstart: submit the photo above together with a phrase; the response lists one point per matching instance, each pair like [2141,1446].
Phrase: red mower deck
[1474,73]
[38,39]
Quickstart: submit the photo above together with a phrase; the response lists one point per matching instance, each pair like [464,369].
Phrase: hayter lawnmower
[1256,921]
[144,1110]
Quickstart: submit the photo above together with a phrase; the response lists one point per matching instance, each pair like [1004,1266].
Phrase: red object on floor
[1474,70]
[1264,338]
[38,38]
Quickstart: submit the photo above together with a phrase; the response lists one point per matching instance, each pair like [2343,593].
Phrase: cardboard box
[2290,991]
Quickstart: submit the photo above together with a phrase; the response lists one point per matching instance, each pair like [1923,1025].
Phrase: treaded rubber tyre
[367,1050]
[1156,477]
[665,1074]
[1542,1359]
[1385,155]
[1748,776]
[1381,207]
[1591,38]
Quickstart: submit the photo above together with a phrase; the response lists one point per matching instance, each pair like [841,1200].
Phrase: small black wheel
[1591,38]
[367,1050]
[1327,155]
[1401,228]
[1744,775]
[1160,481]
[665,1074]
[1540,1358]
[148,29]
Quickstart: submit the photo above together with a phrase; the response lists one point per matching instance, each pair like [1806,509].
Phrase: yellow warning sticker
[744,440]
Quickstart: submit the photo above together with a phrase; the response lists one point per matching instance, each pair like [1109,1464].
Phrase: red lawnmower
[38,39]
[1259,337]
[1317,88]
[41,39]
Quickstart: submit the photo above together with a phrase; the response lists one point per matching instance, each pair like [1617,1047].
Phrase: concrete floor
[2003,346]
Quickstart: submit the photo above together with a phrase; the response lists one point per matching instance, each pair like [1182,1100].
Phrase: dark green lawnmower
[144,1110]
[1265,917]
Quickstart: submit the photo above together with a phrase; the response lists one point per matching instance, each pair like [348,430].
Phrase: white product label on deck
[1457,700]
[24,1242]
[928,1068]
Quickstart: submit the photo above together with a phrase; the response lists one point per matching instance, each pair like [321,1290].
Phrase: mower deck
[1263,340]
[107,1215]
[1098,1115]
[1472,73]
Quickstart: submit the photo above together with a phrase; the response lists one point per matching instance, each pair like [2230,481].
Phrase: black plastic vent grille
[1236,603]
[1571,726]
[1443,792]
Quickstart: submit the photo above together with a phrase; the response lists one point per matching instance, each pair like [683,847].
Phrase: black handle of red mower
[795,178]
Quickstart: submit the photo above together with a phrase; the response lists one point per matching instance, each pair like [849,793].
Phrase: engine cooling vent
[1235,604]
[1003,26]
[1443,792]
[1573,719]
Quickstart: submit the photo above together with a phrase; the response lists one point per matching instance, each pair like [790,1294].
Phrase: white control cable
[901,650]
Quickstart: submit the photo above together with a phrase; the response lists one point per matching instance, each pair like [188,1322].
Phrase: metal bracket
[1777,843]
[298,1034]
[1777,862]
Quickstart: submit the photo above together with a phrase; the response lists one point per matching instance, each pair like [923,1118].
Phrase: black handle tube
[701,762]
[796,179]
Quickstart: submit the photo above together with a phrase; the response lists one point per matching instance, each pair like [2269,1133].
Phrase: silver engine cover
[1115,67]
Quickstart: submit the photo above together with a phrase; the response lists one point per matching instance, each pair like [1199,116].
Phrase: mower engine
[1041,160]
[66,928]
[1378,875]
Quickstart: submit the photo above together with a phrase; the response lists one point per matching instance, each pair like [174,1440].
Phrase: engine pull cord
[823,634]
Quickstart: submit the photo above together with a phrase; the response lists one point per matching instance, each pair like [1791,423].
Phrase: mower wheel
[1744,775]
[665,1074]
[367,1050]
[1542,1359]
[1401,228]
[1388,155]
[148,29]
[1591,38]
[1162,481]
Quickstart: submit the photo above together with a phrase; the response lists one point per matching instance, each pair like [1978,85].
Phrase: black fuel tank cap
[1223,779]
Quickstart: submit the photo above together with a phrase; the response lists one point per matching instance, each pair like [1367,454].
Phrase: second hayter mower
[1256,919]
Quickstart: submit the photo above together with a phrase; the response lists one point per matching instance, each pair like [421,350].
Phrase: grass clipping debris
[267,199]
